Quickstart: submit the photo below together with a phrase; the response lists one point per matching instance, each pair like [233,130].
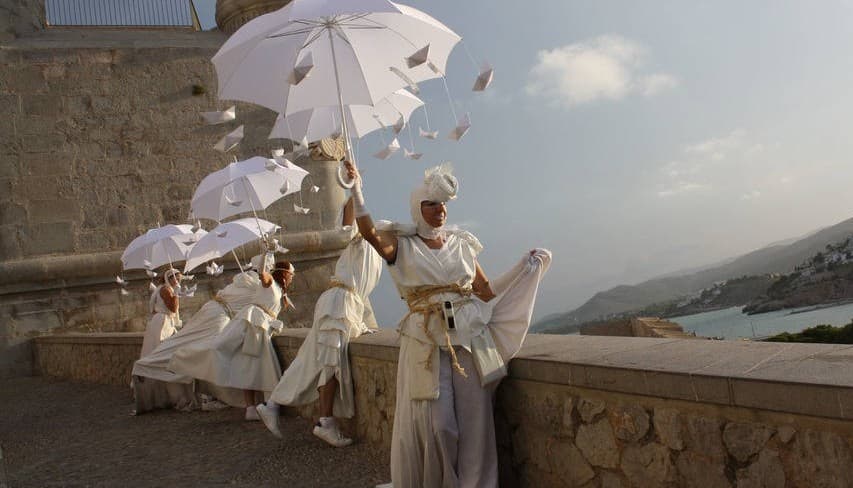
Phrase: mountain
[776,258]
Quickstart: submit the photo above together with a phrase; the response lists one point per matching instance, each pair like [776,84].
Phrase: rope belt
[228,311]
[340,284]
[418,301]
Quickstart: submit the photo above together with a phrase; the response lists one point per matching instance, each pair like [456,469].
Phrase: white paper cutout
[301,210]
[151,274]
[428,135]
[230,140]
[187,292]
[121,281]
[420,57]
[214,118]
[214,269]
[124,292]
[389,150]
[302,70]
[413,87]
[187,277]
[461,128]
[152,286]
[223,234]
[279,248]
[484,79]
[411,155]
[315,189]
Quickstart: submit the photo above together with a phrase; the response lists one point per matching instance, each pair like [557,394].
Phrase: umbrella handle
[342,177]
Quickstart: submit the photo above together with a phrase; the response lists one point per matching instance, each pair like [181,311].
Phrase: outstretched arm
[385,243]
[482,287]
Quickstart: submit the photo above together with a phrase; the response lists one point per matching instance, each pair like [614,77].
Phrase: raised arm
[348,217]
[385,243]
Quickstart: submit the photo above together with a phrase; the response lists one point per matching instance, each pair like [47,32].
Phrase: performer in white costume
[321,367]
[242,355]
[165,317]
[155,386]
[455,341]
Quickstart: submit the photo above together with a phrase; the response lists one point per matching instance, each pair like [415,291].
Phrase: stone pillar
[231,14]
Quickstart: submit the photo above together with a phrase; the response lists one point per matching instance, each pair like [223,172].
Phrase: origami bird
[121,281]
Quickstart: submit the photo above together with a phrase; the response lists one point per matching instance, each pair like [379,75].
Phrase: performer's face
[434,213]
[283,277]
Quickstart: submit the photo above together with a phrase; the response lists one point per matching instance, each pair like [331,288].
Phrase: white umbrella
[227,237]
[320,122]
[159,246]
[245,186]
[297,58]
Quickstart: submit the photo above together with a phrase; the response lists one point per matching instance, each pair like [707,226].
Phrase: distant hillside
[779,258]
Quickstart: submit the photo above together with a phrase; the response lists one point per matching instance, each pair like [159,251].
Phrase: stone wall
[100,140]
[612,412]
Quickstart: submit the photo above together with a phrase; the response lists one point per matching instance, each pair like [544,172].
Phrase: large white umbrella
[159,246]
[320,122]
[227,237]
[333,52]
[245,186]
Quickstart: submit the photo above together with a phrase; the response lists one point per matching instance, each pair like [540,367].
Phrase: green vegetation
[820,334]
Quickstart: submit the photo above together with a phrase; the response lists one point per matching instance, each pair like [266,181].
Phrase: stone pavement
[55,433]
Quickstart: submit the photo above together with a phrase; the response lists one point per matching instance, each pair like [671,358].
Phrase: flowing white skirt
[159,327]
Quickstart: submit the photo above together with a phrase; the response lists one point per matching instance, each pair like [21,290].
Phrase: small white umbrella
[227,237]
[299,57]
[159,246]
[318,123]
[245,186]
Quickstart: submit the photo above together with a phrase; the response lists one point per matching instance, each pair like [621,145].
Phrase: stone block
[34,125]
[648,466]
[667,423]
[49,211]
[119,216]
[48,238]
[44,188]
[26,79]
[630,422]
[785,433]
[704,435]
[766,472]
[76,104]
[569,464]
[45,105]
[9,166]
[47,165]
[12,214]
[744,440]
[590,409]
[610,480]
[48,142]
[10,104]
[10,246]
[815,457]
[597,444]
[698,471]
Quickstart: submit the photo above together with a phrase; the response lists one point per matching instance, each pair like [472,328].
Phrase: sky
[633,139]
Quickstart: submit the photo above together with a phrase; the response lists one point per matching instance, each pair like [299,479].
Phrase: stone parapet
[600,411]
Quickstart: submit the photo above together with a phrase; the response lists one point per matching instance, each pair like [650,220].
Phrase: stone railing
[606,411]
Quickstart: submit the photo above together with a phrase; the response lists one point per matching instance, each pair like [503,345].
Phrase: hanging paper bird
[230,140]
[411,155]
[214,118]
[389,150]
[315,189]
[124,292]
[121,281]
[428,135]
[484,79]
[151,274]
[302,210]
[461,128]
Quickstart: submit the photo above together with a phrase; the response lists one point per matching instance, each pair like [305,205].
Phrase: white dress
[155,386]
[342,314]
[163,323]
[242,355]
[443,427]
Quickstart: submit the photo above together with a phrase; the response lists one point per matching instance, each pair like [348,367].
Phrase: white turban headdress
[439,186]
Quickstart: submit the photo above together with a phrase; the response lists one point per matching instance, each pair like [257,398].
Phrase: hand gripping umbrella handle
[342,177]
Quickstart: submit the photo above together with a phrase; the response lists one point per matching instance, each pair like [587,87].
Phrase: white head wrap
[171,273]
[439,186]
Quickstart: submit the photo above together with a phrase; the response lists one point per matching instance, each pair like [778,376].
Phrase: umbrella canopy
[317,123]
[162,245]
[245,186]
[295,58]
[227,237]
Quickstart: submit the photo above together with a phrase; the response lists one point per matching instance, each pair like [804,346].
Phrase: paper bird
[428,135]
[188,292]
[302,70]
[484,79]
[230,140]
[302,210]
[151,274]
[124,292]
[213,118]
[214,269]
[413,87]
[187,277]
[399,125]
[389,150]
[146,263]
[222,234]
[285,187]
[420,57]
[461,128]
[277,153]
[121,281]
[233,203]
[152,286]
[315,189]
[279,248]
[411,155]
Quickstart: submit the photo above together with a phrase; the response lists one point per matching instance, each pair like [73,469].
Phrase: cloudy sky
[635,138]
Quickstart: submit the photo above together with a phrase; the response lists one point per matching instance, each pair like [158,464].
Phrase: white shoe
[213,405]
[332,435]
[270,419]
[252,414]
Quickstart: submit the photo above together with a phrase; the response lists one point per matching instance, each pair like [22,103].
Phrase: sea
[731,323]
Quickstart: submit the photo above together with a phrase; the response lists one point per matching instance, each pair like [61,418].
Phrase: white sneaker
[270,419]
[332,435]
[252,414]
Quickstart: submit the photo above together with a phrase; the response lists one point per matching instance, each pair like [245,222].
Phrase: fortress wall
[606,412]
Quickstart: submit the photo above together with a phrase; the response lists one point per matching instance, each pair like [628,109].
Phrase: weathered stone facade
[559,426]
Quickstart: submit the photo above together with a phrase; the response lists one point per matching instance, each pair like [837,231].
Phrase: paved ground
[56,433]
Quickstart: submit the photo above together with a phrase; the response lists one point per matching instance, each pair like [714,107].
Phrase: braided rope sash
[228,310]
[334,283]
[418,301]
